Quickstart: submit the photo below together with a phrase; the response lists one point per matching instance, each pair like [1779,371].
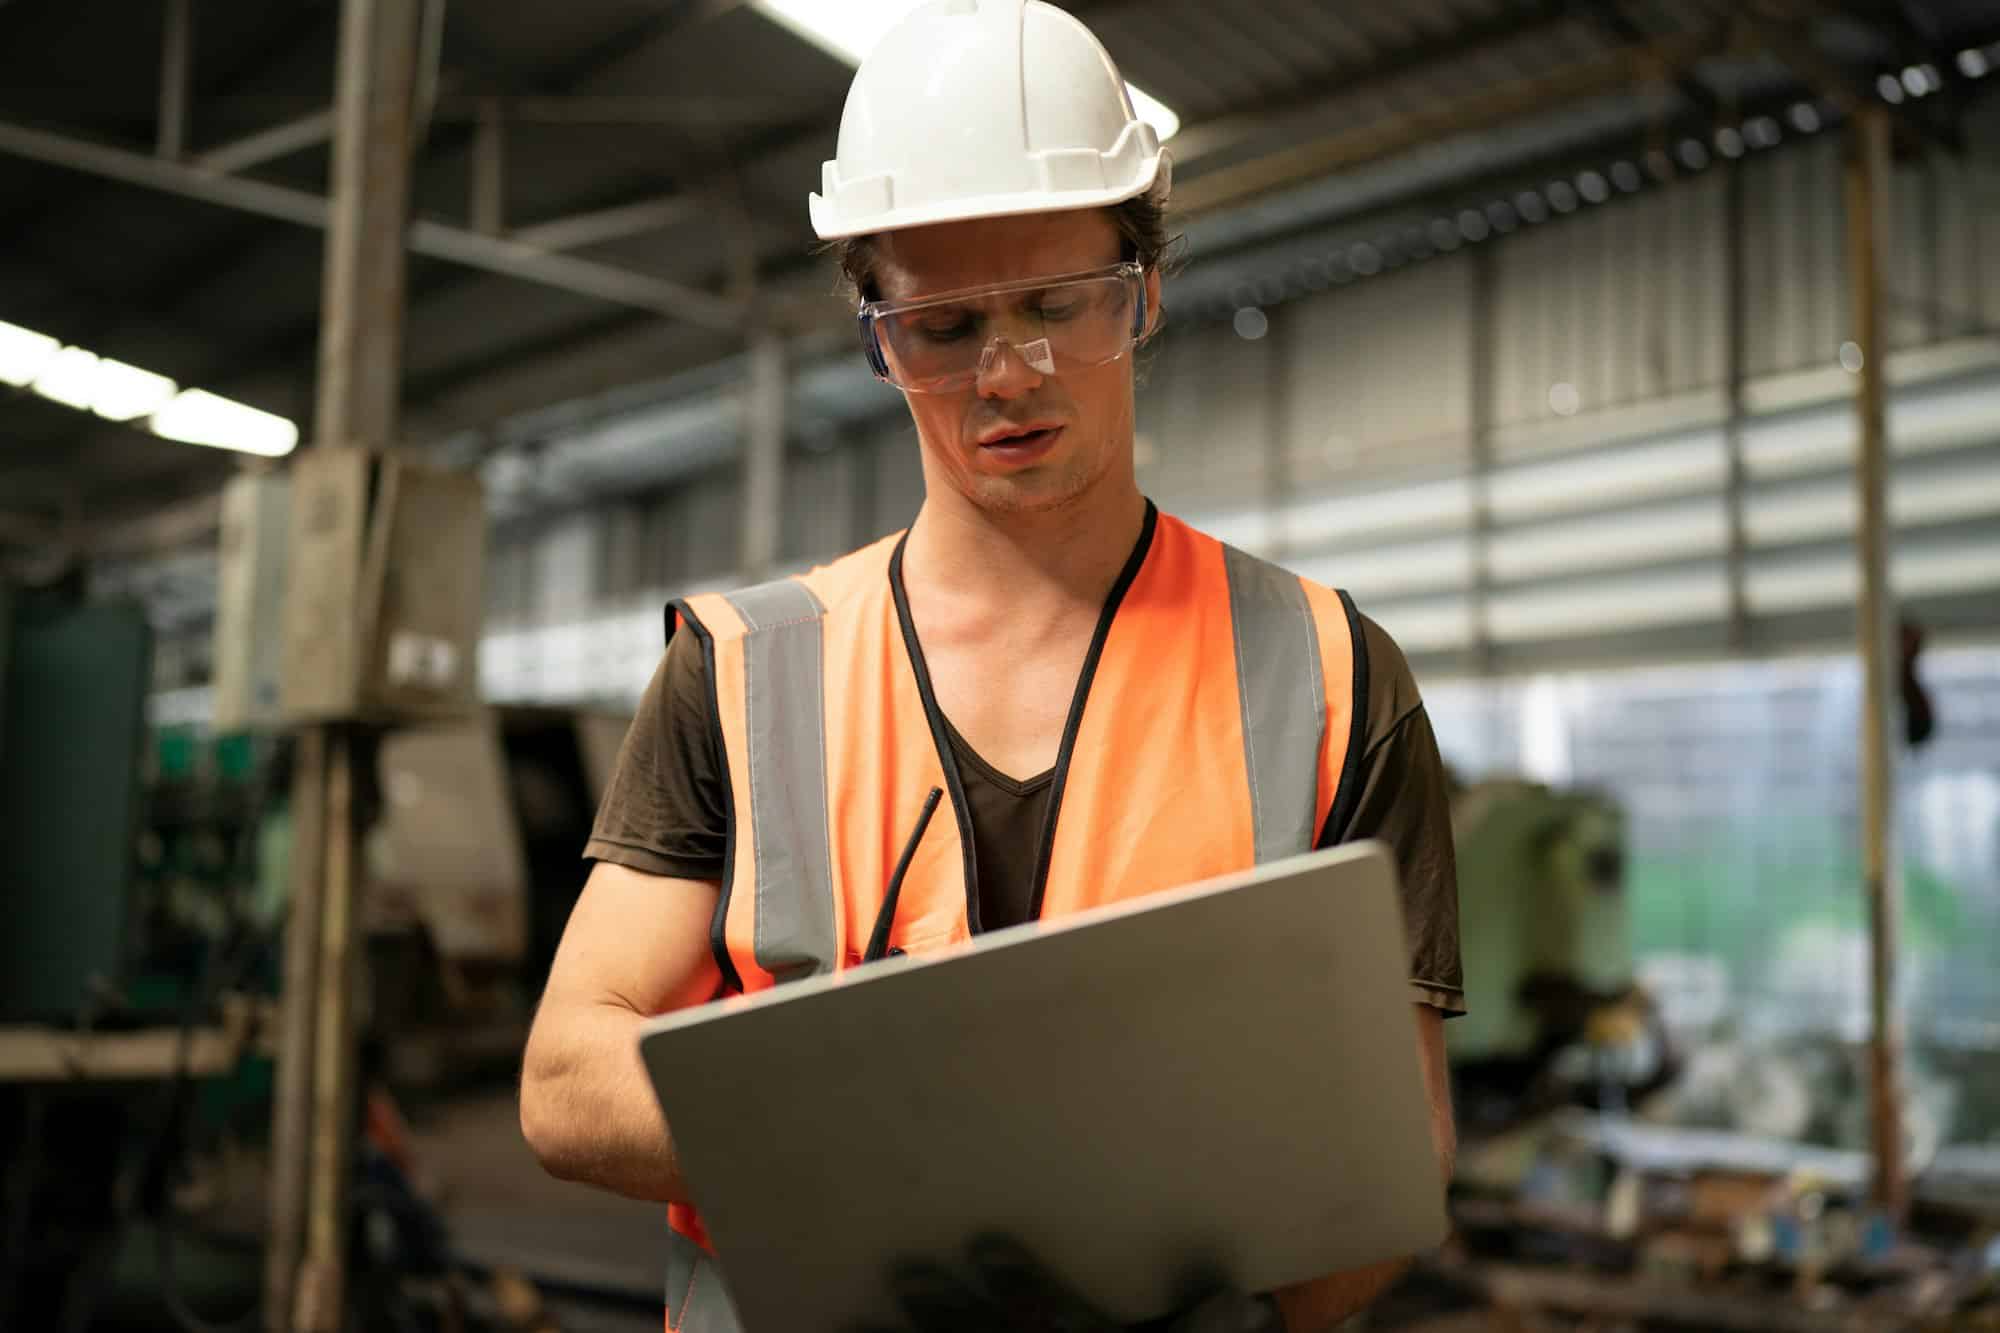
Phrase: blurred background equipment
[76,677]
[1636,365]
[1554,1011]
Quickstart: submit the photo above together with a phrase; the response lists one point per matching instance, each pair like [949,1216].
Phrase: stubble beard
[1038,490]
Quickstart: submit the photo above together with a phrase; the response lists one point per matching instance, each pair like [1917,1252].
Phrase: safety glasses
[944,343]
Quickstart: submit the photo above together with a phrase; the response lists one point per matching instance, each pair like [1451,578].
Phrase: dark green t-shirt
[664,809]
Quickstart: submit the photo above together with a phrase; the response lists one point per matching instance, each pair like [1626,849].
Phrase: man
[1097,701]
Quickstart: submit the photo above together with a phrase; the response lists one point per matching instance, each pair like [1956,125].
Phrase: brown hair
[1142,230]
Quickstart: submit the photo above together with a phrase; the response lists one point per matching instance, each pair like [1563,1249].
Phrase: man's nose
[1004,372]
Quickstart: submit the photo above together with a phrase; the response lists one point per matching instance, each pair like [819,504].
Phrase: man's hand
[1015,1293]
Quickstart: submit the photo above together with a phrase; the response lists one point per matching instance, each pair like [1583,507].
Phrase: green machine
[1542,916]
[73,681]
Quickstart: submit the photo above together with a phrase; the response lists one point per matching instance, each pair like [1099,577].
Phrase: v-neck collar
[941,737]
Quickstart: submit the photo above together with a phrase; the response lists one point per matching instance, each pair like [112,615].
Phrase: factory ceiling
[609,194]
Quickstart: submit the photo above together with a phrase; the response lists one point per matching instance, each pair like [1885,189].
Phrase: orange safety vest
[1212,730]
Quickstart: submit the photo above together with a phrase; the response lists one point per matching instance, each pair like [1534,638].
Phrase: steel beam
[270,145]
[1538,23]
[1838,84]
[508,258]
[176,58]
[1868,211]
[673,112]
[610,224]
[1605,72]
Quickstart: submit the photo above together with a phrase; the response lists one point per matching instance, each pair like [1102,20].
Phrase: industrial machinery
[1553,1009]
[72,714]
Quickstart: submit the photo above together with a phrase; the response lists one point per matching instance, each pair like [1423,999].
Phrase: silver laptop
[1222,1078]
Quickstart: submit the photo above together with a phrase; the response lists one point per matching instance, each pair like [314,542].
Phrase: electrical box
[250,599]
[384,590]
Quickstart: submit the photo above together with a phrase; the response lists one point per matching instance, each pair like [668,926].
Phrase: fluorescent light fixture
[196,416]
[23,353]
[123,393]
[120,392]
[848,30]
[69,377]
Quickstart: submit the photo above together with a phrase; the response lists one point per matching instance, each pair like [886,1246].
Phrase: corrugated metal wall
[1339,431]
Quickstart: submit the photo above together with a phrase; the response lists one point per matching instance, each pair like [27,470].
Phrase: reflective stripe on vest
[696,1299]
[784,699]
[1283,701]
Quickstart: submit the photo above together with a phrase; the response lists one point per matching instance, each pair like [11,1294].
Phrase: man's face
[1079,423]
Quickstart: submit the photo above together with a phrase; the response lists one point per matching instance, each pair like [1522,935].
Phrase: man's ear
[1154,312]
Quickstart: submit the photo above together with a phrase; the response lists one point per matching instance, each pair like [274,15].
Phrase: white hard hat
[983,108]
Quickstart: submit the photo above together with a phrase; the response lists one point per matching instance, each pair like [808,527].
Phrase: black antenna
[878,939]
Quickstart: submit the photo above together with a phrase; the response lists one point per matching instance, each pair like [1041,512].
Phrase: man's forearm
[588,1110]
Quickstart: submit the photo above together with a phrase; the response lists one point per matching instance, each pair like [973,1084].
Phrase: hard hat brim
[831,226]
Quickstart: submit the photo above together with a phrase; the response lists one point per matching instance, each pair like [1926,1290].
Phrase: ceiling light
[849,29]
[1973,63]
[1364,259]
[1501,215]
[1890,88]
[1472,225]
[1251,323]
[1562,196]
[1625,176]
[68,377]
[1805,117]
[1659,165]
[1762,132]
[1933,81]
[1914,81]
[1851,359]
[23,353]
[1443,235]
[123,392]
[1694,157]
[1564,400]
[1592,187]
[1729,142]
[196,416]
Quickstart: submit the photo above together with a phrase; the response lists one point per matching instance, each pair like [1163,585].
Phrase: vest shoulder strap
[781,601]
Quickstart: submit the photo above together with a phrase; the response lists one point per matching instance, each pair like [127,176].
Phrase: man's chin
[1029,491]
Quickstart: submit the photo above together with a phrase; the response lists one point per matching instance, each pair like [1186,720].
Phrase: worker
[1097,701]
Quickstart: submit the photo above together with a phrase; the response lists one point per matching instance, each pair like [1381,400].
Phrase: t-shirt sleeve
[665,810]
[1405,803]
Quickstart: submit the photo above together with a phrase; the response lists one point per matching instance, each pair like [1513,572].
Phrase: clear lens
[943,343]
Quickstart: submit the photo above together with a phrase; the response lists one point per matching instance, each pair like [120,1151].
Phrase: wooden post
[291,1113]
[1867,215]
[359,396]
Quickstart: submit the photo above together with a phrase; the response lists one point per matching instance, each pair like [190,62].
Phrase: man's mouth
[1030,435]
